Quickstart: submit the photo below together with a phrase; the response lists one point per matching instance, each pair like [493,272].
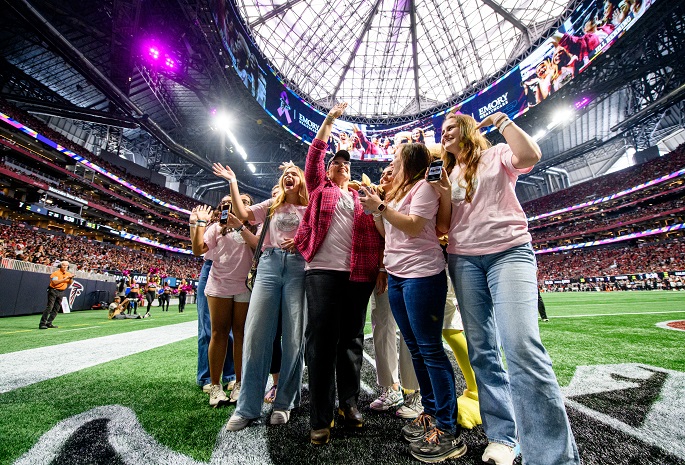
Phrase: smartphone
[362,192]
[223,219]
[434,171]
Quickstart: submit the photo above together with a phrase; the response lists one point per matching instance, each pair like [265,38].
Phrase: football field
[102,391]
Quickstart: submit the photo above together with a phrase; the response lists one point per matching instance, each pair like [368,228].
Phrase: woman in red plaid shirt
[343,251]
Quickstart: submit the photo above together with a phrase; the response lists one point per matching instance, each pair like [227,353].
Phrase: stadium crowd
[24,242]
[608,184]
[144,184]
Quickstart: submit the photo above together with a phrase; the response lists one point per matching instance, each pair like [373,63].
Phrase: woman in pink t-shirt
[493,269]
[278,290]
[417,289]
[229,246]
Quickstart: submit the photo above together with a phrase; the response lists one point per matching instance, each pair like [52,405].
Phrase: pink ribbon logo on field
[285,107]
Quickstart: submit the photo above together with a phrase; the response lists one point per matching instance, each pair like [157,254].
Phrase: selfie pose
[228,244]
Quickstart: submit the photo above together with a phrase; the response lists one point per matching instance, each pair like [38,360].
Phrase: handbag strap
[265,228]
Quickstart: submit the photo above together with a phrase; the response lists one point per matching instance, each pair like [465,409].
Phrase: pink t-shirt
[494,220]
[284,222]
[336,249]
[231,261]
[414,257]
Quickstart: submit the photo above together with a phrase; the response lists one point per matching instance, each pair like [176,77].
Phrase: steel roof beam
[358,43]
[414,52]
[497,8]
[273,13]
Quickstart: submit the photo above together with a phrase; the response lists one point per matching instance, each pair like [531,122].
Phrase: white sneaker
[235,393]
[499,454]
[217,396]
[230,385]
[280,417]
[412,406]
[236,422]
[388,399]
[207,388]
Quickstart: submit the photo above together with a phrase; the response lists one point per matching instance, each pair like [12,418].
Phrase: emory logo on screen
[76,290]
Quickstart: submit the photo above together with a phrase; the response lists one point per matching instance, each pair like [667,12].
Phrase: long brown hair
[471,146]
[280,197]
[414,159]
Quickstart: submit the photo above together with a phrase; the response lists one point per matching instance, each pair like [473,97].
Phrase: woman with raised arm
[493,269]
[229,246]
[343,253]
[417,289]
[278,289]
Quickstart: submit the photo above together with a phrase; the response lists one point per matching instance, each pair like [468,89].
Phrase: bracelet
[499,120]
[240,229]
[382,270]
[377,214]
[234,180]
[330,118]
[504,125]
[201,223]
[192,224]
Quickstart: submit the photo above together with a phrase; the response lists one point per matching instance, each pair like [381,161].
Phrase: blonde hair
[303,192]
[471,146]
[414,159]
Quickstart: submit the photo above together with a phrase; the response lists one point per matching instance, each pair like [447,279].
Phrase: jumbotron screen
[588,32]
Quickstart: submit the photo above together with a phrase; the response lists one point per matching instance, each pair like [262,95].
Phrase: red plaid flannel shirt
[367,244]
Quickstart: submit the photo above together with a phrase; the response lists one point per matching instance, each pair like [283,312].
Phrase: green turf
[159,384]
[21,333]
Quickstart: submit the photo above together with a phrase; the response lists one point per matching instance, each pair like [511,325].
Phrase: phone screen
[224,216]
[434,171]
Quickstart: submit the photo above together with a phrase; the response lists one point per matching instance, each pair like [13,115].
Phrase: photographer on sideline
[60,280]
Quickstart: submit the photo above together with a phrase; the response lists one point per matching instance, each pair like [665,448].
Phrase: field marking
[19,331]
[614,314]
[26,367]
[78,329]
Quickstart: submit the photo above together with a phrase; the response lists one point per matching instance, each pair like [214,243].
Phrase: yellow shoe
[469,410]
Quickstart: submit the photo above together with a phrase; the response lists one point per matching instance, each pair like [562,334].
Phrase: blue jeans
[278,288]
[497,295]
[418,305]
[204,334]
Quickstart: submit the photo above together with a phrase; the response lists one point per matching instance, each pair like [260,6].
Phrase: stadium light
[539,135]
[560,117]
[251,167]
[222,121]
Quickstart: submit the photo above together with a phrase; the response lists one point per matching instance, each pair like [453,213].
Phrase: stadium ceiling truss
[394,60]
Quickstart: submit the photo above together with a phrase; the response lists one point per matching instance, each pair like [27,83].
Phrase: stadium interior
[114,111]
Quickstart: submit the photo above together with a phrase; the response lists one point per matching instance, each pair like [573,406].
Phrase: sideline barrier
[25,288]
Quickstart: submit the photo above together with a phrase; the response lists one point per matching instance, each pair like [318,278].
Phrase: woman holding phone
[229,246]
[417,289]
[493,269]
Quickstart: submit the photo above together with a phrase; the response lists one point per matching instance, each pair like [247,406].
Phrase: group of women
[333,244]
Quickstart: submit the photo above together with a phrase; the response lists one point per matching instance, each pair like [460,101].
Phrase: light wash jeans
[279,287]
[204,334]
[497,293]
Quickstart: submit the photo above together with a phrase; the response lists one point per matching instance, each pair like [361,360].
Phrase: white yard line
[19,369]
[615,314]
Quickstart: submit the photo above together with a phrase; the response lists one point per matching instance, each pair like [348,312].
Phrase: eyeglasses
[338,163]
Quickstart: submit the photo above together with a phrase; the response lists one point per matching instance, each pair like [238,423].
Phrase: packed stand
[608,184]
[24,242]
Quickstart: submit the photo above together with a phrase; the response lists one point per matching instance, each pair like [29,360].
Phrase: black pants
[150,296]
[541,307]
[181,302]
[133,303]
[53,306]
[164,301]
[336,314]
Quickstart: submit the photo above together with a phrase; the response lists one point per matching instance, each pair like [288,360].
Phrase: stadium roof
[394,57]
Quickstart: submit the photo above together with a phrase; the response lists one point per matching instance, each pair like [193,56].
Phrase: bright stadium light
[251,167]
[561,117]
[539,135]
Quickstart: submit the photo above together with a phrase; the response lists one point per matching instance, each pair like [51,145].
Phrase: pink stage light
[170,63]
[154,52]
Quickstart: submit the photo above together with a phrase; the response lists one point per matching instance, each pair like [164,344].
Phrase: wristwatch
[381,207]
